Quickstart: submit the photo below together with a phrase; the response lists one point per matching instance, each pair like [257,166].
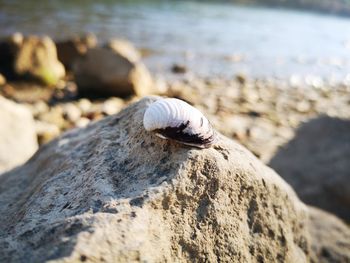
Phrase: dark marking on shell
[178,134]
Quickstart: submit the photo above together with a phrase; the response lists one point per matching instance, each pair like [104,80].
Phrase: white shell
[177,120]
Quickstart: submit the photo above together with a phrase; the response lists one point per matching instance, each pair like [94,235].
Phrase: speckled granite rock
[113,192]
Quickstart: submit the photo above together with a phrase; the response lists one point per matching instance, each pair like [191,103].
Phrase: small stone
[112,106]
[262,130]
[71,112]
[17,38]
[295,81]
[84,105]
[303,106]
[285,132]
[46,131]
[2,80]
[39,107]
[161,85]
[249,95]
[241,78]
[54,116]
[179,69]
[236,126]
[82,122]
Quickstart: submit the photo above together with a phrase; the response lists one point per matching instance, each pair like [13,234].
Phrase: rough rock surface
[316,163]
[330,237]
[18,139]
[108,71]
[37,59]
[114,192]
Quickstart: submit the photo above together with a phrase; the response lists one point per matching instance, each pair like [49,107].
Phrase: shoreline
[263,115]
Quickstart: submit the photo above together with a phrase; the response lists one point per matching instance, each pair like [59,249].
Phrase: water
[209,38]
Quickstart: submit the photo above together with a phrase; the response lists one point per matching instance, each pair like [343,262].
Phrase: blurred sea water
[211,39]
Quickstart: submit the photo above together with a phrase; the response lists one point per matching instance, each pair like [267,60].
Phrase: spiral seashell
[177,120]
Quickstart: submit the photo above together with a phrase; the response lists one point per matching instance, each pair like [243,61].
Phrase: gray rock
[330,237]
[124,48]
[69,50]
[112,71]
[18,139]
[316,163]
[113,192]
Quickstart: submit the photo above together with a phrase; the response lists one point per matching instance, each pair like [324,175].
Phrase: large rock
[112,70]
[316,163]
[71,49]
[330,237]
[113,192]
[18,139]
[37,59]
[125,49]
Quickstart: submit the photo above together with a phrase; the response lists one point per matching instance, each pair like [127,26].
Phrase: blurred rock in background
[112,70]
[316,162]
[37,59]
[70,49]
[329,237]
[18,140]
[30,58]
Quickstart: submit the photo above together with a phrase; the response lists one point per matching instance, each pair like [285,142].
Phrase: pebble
[178,69]
[38,108]
[46,131]
[2,80]
[54,116]
[17,38]
[84,105]
[82,122]
[241,78]
[303,106]
[112,106]
[71,112]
